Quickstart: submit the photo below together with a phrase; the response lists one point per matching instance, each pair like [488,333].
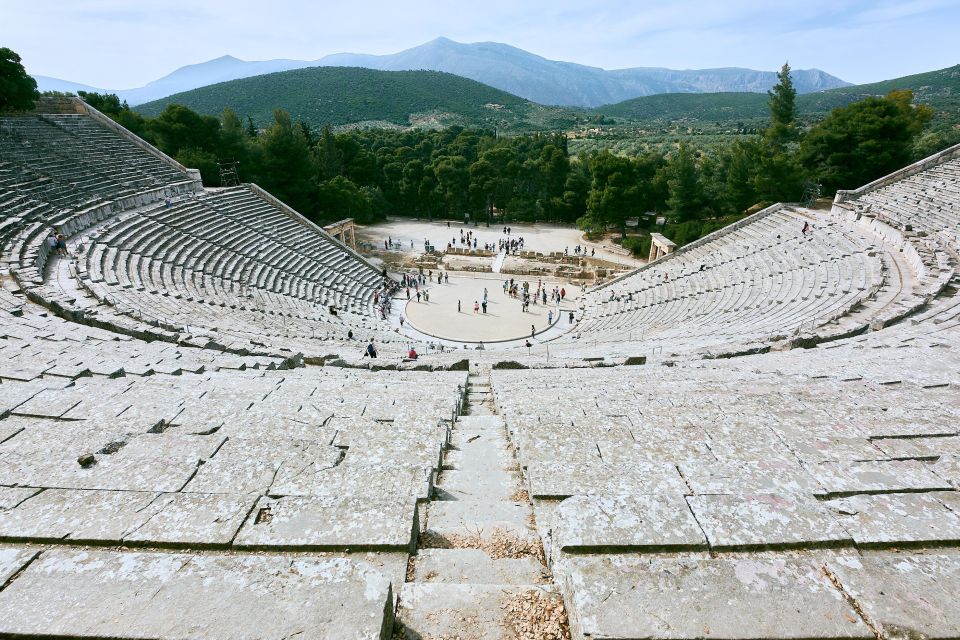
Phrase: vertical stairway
[498,262]
[479,571]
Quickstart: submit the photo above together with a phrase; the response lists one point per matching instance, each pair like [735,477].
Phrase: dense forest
[453,172]
[338,96]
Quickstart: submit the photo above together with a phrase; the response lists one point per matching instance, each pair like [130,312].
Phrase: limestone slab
[13,560]
[132,595]
[825,449]
[244,465]
[666,596]
[348,480]
[921,448]
[330,523]
[194,520]
[948,468]
[661,522]
[749,477]
[903,594]
[766,520]
[78,515]
[875,476]
[897,518]
[557,481]
[10,497]
[671,449]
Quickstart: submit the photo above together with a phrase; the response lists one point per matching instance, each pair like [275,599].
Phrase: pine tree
[686,192]
[783,109]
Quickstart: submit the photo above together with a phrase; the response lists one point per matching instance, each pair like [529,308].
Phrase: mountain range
[501,66]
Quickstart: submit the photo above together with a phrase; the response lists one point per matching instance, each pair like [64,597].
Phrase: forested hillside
[335,96]
[938,89]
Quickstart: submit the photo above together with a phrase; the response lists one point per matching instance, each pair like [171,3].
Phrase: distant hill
[565,83]
[344,95]
[499,65]
[940,89]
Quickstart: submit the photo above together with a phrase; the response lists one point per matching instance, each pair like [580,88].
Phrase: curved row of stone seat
[917,210]
[230,249]
[64,173]
[758,281]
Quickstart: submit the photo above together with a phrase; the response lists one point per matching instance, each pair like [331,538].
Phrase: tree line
[369,173]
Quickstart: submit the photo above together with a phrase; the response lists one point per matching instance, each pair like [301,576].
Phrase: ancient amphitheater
[754,437]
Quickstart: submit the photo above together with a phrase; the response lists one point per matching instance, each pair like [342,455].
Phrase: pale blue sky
[123,43]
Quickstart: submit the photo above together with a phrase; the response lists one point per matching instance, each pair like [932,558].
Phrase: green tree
[18,90]
[329,158]
[783,109]
[205,161]
[864,141]
[686,199]
[288,168]
[613,193]
[178,128]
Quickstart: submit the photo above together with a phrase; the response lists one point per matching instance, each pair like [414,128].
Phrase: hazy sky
[120,44]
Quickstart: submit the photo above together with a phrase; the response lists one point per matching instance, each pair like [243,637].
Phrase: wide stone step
[465,485]
[474,566]
[479,611]
[467,423]
[479,518]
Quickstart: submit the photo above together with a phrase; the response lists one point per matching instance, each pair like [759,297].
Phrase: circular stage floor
[504,319]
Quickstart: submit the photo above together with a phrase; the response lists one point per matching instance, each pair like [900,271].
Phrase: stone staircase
[479,571]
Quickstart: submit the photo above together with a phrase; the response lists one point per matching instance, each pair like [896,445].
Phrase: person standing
[476,307]
[549,317]
[533,330]
[484,305]
[458,306]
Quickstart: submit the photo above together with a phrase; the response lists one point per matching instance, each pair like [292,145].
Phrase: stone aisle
[479,571]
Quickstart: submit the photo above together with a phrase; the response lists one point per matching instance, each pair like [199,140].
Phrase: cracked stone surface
[131,595]
[13,560]
[666,596]
[904,595]
[897,518]
[627,522]
[317,522]
[766,520]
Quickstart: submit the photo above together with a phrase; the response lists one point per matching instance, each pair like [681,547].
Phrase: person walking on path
[402,320]
[371,350]
[484,295]
[533,330]
[458,306]
[549,317]
[476,307]
[563,293]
